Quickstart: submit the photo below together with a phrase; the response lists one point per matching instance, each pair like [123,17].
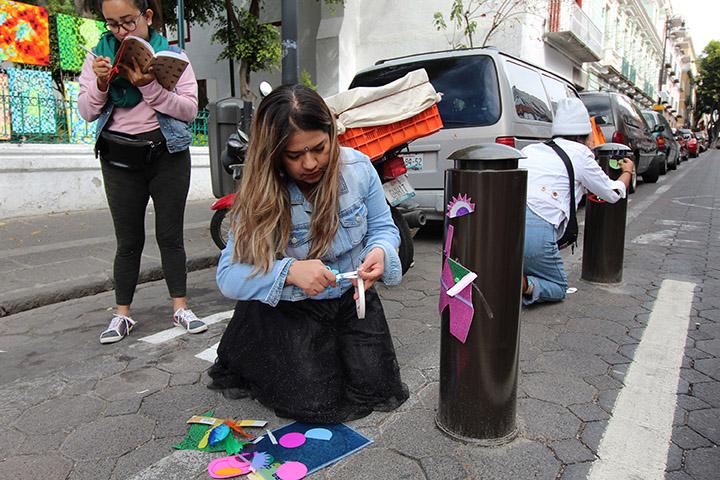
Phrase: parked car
[488,96]
[664,138]
[703,141]
[622,122]
[682,142]
[692,143]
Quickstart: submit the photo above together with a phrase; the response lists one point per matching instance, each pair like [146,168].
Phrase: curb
[28,302]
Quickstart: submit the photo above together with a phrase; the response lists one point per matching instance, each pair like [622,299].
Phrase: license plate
[398,190]
[413,161]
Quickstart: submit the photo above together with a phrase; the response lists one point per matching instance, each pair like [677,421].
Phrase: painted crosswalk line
[174,332]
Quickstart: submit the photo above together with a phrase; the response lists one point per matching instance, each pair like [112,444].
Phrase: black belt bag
[126,151]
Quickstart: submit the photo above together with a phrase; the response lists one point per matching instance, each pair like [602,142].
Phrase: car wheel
[674,164]
[219,228]
[652,174]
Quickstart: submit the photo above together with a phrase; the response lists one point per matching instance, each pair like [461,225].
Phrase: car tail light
[618,137]
[509,141]
[394,167]
[661,142]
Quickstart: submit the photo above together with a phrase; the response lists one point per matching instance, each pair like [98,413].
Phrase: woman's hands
[136,75]
[312,276]
[372,268]
[101,67]
[627,165]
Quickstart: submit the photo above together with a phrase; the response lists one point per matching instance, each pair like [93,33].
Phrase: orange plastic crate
[375,141]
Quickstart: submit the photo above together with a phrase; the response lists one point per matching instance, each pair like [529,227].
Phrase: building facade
[619,45]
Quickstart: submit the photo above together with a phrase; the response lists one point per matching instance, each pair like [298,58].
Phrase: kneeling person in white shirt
[548,198]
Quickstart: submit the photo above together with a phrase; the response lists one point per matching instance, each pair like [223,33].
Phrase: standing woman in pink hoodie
[143,138]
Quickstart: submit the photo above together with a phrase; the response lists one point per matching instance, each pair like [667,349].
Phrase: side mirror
[265,89]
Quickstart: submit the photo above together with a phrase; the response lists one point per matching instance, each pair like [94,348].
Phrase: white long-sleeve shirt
[548,187]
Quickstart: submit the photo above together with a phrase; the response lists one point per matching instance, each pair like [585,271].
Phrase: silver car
[488,96]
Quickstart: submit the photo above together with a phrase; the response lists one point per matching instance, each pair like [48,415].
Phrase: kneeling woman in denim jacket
[306,205]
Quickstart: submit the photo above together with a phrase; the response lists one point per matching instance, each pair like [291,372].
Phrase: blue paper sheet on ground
[317,451]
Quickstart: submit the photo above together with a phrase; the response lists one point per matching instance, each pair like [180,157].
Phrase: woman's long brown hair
[261,219]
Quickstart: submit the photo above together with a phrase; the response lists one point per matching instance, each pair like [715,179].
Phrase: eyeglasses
[127,25]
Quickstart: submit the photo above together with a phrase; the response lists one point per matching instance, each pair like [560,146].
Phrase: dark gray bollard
[604,234]
[478,378]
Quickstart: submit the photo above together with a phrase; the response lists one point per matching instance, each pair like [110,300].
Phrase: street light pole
[290,70]
[181,23]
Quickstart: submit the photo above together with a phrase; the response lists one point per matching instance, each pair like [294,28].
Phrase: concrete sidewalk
[51,258]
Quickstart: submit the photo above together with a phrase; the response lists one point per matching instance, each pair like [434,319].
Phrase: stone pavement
[51,258]
[73,409]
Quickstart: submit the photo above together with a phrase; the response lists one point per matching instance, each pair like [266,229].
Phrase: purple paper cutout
[461,306]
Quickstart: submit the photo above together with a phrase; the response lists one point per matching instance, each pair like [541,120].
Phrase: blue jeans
[542,263]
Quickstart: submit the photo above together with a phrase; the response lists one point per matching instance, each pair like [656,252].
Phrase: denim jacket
[365,223]
[178,134]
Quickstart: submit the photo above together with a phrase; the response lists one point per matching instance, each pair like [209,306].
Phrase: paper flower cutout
[459,206]
[261,460]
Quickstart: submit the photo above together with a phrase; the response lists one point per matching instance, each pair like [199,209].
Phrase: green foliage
[461,19]
[257,44]
[306,79]
[709,84]
[464,16]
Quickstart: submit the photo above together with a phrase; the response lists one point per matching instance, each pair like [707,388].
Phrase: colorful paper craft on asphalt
[460,206]
[307,446]
[72,33]
[199,431]
[24,33]
[32,102]
[460,304]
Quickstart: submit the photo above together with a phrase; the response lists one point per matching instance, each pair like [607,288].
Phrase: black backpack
[571,231]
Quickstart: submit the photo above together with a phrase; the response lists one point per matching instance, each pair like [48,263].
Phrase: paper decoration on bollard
[459,206]
[460,303]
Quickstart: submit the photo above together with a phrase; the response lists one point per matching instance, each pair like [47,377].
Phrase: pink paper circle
[292,440]
[291,471]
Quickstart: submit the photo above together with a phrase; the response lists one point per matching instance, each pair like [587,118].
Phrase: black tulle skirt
[312,360]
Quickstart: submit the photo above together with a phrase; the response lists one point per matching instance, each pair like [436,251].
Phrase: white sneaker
[185,318]
[120,326]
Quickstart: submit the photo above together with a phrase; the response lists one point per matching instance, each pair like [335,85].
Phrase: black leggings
[166,179]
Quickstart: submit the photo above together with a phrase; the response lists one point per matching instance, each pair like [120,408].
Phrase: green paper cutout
[614,164]
[458,271]
[229,444]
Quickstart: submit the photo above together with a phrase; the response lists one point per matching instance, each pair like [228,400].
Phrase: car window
[599,107]
[528,93]
[469,87]
[557,90]
[627,112]
[650,118]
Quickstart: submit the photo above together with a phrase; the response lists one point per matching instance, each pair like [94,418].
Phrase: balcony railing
[571,30]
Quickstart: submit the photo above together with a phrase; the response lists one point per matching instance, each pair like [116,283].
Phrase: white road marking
[636,209]
[209,354]
[181,464]
[636,442]
[663,237]
[170,333]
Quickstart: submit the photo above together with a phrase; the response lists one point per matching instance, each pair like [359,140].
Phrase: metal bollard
[604,233]
[478,378]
